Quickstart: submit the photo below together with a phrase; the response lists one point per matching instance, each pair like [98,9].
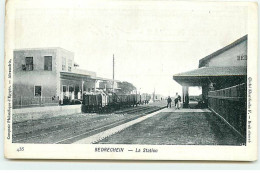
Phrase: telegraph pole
[113,72]
[153,94]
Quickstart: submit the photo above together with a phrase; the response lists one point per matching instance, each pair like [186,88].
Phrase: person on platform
[169,101]
[177,101]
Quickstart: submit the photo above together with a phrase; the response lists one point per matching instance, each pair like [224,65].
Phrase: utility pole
[113,73]
[153,94]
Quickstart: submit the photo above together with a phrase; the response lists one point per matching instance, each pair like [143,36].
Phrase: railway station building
[222,76]
[49,76]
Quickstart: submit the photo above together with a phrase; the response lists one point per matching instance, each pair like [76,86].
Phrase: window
[76,89]
[29,63]
[64,88]
[71,88]
[48,63]
[69,65]
[64,64]
[38,91]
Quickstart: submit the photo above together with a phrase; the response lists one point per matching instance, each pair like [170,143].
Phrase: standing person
[177,101]
[169,101]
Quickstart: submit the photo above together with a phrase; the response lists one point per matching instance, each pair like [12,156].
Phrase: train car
[107,102]
[126,100]
[94,102]
[91,102]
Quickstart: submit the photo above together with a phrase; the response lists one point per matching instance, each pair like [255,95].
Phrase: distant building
[49,76]
[108,85]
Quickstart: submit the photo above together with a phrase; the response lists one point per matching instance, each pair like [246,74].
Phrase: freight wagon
[106,102]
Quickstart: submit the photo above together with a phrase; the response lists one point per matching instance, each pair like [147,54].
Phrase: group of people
[177,101]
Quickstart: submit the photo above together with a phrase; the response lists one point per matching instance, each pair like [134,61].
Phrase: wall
[229,57]
[25,114]
[60,54]
[230,105]
[24,81]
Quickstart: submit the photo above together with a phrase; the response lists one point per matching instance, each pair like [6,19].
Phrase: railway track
[46,123]
[103,128]
[20,128]
[131,110]
[77,129]
[51,129]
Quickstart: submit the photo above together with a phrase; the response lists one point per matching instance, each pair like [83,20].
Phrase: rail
[35,101]
[230,104]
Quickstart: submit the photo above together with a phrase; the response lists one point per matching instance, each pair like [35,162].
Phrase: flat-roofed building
[45,76]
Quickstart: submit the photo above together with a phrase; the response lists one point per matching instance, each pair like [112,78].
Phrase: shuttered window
[48,63]
[37,91]
[63,64]
[69,65]
[29,63]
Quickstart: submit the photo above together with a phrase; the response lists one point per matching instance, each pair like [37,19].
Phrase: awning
[201,75]
[78,76]
[74,76]
[103,79]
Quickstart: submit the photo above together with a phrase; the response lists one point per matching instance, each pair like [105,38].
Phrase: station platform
[172,126]
[185,110]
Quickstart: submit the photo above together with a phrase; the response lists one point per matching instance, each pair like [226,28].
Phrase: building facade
[49,76]
[223,78]
[222,69]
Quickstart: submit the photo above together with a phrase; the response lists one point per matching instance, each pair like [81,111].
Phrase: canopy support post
[185,96]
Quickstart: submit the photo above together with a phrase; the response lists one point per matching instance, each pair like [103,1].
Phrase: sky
[151,41]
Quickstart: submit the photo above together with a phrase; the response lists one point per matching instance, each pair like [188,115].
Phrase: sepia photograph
[131,77]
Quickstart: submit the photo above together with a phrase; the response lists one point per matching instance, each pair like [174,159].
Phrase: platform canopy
[201,75]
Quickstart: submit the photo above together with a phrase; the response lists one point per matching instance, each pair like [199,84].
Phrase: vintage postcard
[131,80]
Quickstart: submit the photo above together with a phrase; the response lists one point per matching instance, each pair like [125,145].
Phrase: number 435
[20,149]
